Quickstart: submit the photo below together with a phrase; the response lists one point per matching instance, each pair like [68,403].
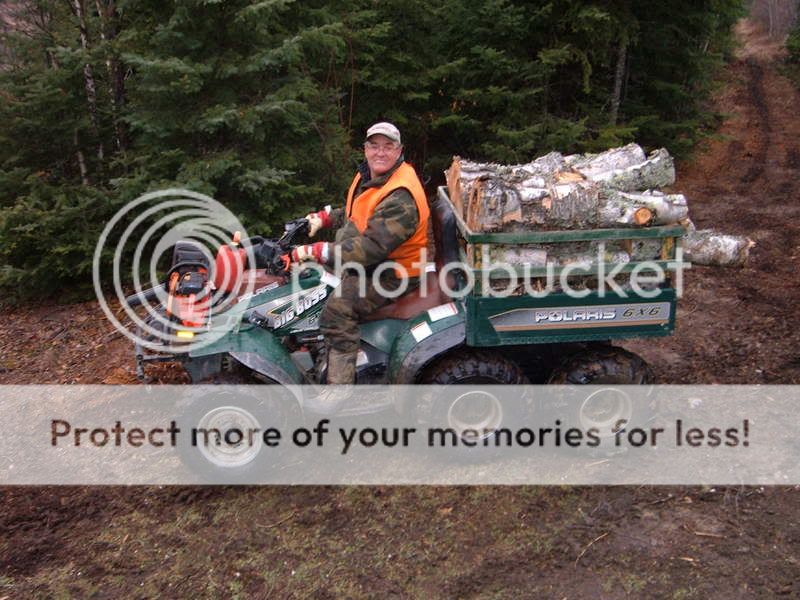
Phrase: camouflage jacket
[394,221]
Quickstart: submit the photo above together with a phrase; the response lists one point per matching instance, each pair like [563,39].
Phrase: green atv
[451,330]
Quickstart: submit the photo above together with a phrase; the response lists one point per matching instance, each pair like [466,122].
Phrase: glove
[318,220]
[318,251]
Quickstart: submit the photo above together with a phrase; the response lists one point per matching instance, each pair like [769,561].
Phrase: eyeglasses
[386,148]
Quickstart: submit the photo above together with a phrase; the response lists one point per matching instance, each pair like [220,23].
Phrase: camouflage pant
[344,309]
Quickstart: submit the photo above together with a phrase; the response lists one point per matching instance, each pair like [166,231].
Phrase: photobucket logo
[592,274]
[578,278]
[172,311]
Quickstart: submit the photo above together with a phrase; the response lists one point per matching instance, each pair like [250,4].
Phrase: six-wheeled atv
[428,336]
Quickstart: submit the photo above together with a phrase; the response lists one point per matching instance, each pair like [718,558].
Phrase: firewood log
[711,248]
[702,247]
[621,169]
[616,188]
[493,205]
[593,166]
[664,209]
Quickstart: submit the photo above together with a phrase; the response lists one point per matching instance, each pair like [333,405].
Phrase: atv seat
[414,302]
[446,246]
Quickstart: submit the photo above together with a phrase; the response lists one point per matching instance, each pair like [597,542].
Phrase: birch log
[594,165]
[463,174]
[566,253]
[492,204]
[703,247]
[616,188]
[711,248]
[627,169]
[665,209]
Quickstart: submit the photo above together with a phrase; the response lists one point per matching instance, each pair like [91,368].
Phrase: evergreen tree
[49,214]
[680,46]
[231,99]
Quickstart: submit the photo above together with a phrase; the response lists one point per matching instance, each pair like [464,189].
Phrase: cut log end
[643,216]
[568,177]
[453,178]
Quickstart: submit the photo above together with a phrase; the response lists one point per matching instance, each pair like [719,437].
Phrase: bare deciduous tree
[107,13]
[777,16]
[88,78]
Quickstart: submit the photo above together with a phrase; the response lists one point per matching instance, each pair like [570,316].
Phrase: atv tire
[233,459]
[610,408]
[602,366]
[473,404]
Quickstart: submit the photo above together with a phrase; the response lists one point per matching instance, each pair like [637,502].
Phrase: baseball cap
[387,129]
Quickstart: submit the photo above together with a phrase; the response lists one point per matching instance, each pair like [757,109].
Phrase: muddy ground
[733,326]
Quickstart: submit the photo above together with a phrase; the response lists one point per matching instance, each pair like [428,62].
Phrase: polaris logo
[266,288]
[568,315]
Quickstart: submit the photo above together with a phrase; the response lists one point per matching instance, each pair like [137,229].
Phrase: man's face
[381,154]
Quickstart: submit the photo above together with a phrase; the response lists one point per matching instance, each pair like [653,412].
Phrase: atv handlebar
[271,254]
[140,298]
[291,230]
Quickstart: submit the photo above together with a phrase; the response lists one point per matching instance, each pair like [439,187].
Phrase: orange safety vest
[360,209]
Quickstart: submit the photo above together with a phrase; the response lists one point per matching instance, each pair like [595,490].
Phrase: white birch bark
[711,248]
[105,13]
[88,78]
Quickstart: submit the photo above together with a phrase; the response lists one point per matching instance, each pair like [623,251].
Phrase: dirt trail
[738,325]
[733,326]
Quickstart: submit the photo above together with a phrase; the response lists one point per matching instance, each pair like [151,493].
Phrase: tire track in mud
[755,89]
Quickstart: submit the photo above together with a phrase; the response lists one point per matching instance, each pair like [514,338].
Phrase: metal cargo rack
[557,316]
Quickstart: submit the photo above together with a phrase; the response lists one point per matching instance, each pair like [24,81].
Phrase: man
[385,218]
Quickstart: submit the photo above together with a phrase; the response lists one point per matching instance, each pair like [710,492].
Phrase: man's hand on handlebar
[318,220]
[318,251]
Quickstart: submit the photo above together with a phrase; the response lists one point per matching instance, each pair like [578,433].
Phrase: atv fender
[422,341]
[261,351]
[258,350]
[261,365]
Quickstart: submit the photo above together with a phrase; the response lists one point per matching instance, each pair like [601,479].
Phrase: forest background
[263,105]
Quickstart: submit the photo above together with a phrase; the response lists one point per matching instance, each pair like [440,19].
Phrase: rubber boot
[341,376]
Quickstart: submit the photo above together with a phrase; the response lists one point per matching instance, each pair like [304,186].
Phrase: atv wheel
[607,365]
[475,409]
[223,430]
[608,409]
